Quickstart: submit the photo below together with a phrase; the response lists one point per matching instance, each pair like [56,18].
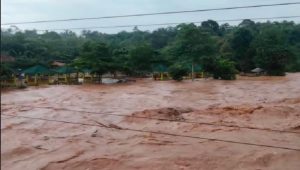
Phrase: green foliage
[273,59]
[95,56]
[243,51]
[209,64]
[162,37]
[191,44]
[177,71]
[247,23]
[121,60]
[269,45]
[220,67]
[294,46]
[211,26]
[272,52]
[40,48]
[5,71]
[141,59]
[224,69]
[294,66]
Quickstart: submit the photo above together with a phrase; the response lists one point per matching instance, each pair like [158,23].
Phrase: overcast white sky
[30,10]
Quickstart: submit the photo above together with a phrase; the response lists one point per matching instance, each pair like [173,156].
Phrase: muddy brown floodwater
[254,121]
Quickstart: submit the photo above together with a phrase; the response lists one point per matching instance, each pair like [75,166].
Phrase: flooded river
[250,123]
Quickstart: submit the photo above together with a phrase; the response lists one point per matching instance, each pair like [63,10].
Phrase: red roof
[6,58]
[58,64]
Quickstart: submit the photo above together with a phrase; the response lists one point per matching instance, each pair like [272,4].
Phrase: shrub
[224,69]
[177,72]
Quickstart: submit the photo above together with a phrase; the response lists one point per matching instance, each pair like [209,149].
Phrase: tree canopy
[272,46]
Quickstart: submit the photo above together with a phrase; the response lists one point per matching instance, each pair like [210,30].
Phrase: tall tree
[97,57]
[192,45]
[121,60]
[272,52]
[243,52]
[211,26]
[141,59]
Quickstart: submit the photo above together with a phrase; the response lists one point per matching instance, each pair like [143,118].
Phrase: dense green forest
[221,50]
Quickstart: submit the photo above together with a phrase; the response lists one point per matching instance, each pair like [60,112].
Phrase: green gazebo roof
[197,68]
[38,69]
[86,70]
[65,70]
[160,68]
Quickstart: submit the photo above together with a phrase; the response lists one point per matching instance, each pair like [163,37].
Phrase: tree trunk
[66,79]
[35,80]
[77,76]
[193,71]
[99,78]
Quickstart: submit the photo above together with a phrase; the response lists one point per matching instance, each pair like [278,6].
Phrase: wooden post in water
[66,79]
[49,82]
[15,80]
[57,78]
[193,71]
[27,78]
[35,79]
[83,77]
[77,77]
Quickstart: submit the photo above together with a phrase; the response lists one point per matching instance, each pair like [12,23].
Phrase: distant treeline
[218,49]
